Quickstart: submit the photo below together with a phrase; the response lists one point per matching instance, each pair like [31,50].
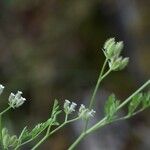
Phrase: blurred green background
[52,49]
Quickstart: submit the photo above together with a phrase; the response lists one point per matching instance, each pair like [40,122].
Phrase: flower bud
[85,113]
[69,108]
[115,63]
[112,49]
[17,100]
[109,47]
[73,106]
[66,105]
[124,63]
[118,48]
[1,88]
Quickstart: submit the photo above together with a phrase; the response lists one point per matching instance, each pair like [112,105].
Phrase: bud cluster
[112,51]
[16,100]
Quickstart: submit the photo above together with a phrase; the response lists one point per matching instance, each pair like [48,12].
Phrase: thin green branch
[5,110]
[82,135]
[52,132]
[104,120]
[100,78]
[97,84]
[136,92]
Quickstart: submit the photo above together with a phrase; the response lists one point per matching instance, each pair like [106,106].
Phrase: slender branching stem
[100,78]
[82,135]
[55,130]
[97,85]
[104,120]
[97,125]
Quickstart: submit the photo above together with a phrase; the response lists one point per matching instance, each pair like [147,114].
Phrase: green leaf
[135,102]
[146,100]
[111,107]
[26,134]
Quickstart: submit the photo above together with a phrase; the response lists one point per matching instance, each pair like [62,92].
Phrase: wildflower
[85,113]
[69,107]
[1,88]
[91,113]
[16,100]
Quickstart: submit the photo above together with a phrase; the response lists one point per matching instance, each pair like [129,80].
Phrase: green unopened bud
[124,63]
[109,42]
[115,63]
[118,48]
[118,64]
[109,47]
[112,49]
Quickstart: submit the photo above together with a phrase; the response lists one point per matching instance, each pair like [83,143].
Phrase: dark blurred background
[52,49]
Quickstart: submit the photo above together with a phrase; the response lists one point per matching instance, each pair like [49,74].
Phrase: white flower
[69,107]
[82,107]
[85,113]
[1,88]
[91,113]
[73,106]
[16,100]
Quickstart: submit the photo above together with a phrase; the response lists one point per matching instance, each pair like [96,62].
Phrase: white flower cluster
[1,88]
[69,107]
[16,100]
[83,112]
[112,50]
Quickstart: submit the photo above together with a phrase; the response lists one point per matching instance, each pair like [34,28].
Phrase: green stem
[52,132]
[98,125]
[1,130]
[103,121]
[39,143]
[129,116]
[4,111]
[100,78]
[95,91]
[29,139]
[77,141]
[136,92]
[97,85]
